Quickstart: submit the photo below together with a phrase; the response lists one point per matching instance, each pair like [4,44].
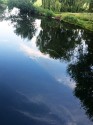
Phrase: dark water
[46,72]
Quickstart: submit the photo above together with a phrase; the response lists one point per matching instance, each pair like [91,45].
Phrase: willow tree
[73,5]
[54,5]
[91,6]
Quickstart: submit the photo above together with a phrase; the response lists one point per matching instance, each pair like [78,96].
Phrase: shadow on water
[60,41]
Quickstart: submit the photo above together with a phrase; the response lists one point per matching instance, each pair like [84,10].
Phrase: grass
[81,16]
[84,20]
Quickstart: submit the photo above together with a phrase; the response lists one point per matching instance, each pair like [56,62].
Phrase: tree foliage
[23,5]
[68,5]
[55,5]
[91,6]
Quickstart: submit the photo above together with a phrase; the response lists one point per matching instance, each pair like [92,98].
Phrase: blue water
[35,89]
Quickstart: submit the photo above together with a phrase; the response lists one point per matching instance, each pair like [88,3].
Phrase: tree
[54,5]
[91,6]
[23,5]
[72,5]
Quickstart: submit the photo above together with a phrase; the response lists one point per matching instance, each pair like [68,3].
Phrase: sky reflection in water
[35,88]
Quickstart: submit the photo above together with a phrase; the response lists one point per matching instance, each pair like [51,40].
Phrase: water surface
[46,72]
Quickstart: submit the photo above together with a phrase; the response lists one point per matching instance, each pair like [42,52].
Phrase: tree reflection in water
[82,73]
[57,40]
[24,25]
[64,42]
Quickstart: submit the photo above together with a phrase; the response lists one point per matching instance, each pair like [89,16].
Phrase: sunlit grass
[81,16]
[84,16]
[84,20]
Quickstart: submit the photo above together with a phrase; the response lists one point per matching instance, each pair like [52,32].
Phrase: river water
[46,72]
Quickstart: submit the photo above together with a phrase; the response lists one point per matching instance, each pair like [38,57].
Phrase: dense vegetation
[54,5]
[58,9]
[3,2]
[23,5]
[65,5]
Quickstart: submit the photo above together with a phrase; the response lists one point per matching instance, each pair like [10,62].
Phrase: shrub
[23,5]
[45,12]
[49,13]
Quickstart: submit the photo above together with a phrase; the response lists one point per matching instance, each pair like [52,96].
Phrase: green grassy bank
[84,20]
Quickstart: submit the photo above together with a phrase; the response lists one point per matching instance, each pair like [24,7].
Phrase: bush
[44,12]
[23,5]
[39,11]
[3,1]
[49,13]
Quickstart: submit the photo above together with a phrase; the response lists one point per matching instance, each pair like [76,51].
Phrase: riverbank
[84,20]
